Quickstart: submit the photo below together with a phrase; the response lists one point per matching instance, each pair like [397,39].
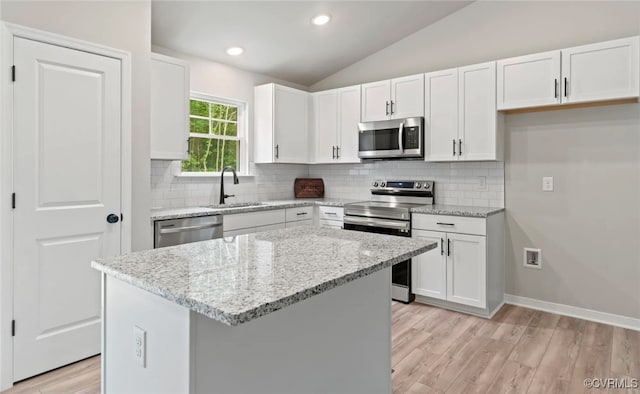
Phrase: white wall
[121,25]
[269,182]
[588,228]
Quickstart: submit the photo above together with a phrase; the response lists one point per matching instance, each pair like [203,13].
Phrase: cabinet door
[441,115]
[325,105]
[529,81]
[308,222]
[466,269]
[375,101]
[348,119]
[407,97]
[169,86]
[251,230]
[331,223]
[477,116]
[429,270]
[604,71]
[291,125]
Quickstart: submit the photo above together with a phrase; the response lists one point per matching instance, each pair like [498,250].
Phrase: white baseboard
[580,313]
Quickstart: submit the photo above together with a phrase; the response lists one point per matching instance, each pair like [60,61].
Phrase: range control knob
[426,185]
[418,185]
[375,184]
[383,184]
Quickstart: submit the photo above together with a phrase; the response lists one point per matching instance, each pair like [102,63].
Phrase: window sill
[208,175]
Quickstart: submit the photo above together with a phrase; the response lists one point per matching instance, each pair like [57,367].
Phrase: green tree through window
[214,142]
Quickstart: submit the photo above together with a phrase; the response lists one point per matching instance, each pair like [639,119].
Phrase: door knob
[112,218]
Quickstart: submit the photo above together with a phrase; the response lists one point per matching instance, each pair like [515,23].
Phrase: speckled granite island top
[235,280]
[457,210]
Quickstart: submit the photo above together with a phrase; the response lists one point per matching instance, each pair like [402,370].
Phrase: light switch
[547,184]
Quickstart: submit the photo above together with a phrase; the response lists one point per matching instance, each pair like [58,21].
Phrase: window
[216,137]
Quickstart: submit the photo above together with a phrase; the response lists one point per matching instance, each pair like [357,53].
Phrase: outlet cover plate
[547,184]
[140,346]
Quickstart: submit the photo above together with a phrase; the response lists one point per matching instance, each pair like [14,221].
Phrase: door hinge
[13,328]
[13,73]
[13,200]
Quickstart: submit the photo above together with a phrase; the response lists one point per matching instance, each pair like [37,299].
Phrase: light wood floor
[436,351]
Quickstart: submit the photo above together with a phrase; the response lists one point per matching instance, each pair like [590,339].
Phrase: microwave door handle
[400,135]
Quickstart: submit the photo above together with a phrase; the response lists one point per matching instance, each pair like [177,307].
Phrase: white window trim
[243,134]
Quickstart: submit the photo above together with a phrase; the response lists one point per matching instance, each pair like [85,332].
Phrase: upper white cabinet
[169,108]
[336,114]
[529,81]
[393,99]
[604,71]
[280,124]
[461,121]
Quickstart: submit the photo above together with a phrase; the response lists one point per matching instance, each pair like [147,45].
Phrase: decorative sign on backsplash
[308,188]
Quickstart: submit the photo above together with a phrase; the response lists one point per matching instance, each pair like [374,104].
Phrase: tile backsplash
[456,183]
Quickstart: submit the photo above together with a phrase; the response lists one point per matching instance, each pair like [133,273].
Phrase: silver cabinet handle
[392,107]
[301,213]
[189,228]
[445,224]
[555,88]
[565,87]
[454,147]
[386,111]
[333,149]
[337,152]
[460,148]
[441,246]
[277,151]
[331,213]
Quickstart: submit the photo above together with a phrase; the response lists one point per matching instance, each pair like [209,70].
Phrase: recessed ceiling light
[321,19]
[234,51]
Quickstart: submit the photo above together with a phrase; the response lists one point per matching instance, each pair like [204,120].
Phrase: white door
[441,115]
[67,126]
[169,108]
[603,71]
[325,105]
[291,124]
[429,270]
[375,101]
[477,116]
[529,81]
[407,97]
[467,269]
[348,119]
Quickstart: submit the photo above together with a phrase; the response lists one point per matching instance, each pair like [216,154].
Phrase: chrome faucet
[235,182]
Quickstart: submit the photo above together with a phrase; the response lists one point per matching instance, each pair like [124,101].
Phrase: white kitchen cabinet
[298,223]
[299,213]
[331,217]
[597,72]
[336,114]
[461,120]
[281,124]
[441,115]
[252,230]
[429,270]
[331,224]
[466,271]
[250,220]
[529,81]
[169,85]
[393,99]
[603,71]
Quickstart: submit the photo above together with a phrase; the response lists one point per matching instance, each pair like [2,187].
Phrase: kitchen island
[300,310]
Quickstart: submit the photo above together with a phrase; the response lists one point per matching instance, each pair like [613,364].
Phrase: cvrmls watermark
[611,383]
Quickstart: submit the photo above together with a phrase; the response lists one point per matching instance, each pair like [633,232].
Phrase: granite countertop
[456,210]
[175,213]
[235,280]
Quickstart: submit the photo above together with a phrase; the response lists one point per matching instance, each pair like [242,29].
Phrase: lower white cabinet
[466,271]
[298,223]
[251,230]
[331,217]
[253,222]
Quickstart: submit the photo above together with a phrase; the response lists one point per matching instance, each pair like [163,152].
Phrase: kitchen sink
[236,205]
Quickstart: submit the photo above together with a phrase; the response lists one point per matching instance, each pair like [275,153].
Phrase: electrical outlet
[533,258]
[547,183]
[140,346]
[482,186]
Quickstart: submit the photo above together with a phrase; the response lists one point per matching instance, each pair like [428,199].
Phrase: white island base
[338,341]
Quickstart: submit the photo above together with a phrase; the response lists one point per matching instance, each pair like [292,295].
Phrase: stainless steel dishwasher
[186,230]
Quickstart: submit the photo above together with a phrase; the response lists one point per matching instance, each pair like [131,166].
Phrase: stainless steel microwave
[391,139]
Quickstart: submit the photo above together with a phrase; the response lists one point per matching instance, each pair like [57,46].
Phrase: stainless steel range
[389,212]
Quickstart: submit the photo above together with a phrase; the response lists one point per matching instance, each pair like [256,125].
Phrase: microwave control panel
[411,138]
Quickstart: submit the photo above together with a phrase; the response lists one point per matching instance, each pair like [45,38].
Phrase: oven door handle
[400,135]
[376,223]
